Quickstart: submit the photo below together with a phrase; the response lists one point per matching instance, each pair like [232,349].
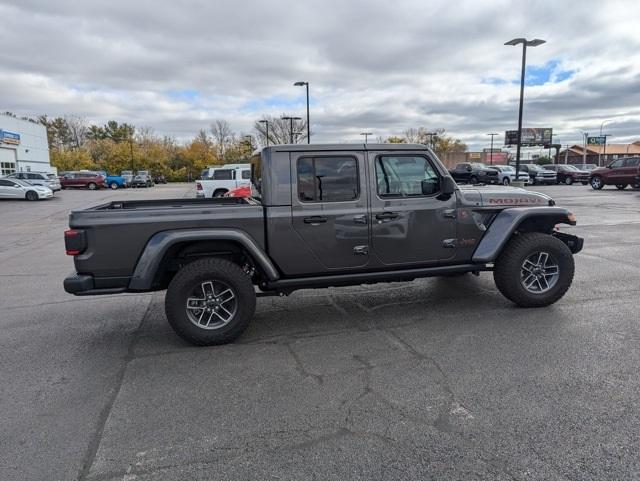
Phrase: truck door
[411,222]
[243,177]
[329,208]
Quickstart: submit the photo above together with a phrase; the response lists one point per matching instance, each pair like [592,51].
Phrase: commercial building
[23,146]
[598,154]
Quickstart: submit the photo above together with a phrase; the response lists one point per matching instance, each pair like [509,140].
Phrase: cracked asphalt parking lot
[437,379]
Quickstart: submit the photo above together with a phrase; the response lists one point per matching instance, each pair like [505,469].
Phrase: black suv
[474,173]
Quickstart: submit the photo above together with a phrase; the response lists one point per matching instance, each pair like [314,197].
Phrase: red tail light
[198,186]
[74,241]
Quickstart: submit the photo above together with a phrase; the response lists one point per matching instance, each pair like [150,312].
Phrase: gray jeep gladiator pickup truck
[325,215]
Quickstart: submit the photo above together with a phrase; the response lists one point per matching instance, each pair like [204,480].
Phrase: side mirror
[447,185]
[429,187]
[469,169]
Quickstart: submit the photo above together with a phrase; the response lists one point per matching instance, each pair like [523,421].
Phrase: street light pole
[366,136]
[605,141]
[491,149]
[266,122]
[306,84]
[525,43]
[291,119]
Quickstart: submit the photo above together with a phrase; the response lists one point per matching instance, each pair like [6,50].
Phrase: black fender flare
[508,221]
[157,246]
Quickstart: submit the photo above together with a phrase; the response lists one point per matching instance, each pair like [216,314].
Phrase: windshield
[570,167]
[478,165]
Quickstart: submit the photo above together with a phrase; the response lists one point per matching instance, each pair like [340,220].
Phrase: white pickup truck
[217,181]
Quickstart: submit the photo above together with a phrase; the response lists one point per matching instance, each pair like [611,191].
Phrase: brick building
[608,153]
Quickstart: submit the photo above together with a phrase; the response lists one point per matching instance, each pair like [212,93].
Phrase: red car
[244,191]
[88,180]
[621,173]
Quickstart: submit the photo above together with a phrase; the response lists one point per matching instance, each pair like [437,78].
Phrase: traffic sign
[598,140]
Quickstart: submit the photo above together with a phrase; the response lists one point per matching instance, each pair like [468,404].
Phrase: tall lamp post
[291,119]
[525,43]
[266,123]
[306,84]
[605,142]
[491,148]
[366,136]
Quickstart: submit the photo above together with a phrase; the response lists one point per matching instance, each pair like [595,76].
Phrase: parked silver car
[38,178]
[20,189]
[507,174]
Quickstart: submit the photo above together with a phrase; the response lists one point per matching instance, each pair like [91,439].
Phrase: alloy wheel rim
[211,305]
[539,272]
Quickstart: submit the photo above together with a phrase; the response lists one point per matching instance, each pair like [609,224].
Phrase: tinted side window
[6,183]
[246,174]
[327,179]
[616,164]
[34,176]
[633,162]
[225,174]
[403,175]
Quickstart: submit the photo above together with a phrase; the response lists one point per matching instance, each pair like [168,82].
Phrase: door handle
[316,219]
[387,215]
[360,219]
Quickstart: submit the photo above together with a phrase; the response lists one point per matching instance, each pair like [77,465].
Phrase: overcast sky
[379,66]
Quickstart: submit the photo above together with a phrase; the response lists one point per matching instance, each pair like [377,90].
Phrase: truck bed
[117,232]
[173,203]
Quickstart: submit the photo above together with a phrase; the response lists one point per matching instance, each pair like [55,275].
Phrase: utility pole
[525,43]
[491,149]
[306,84]
[366,136]
[584,148]
[291,119]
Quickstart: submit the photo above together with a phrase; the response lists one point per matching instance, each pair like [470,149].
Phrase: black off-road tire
[585,183]
[193,275]
[474,180]
[621,186]
[508,268]
[220,192]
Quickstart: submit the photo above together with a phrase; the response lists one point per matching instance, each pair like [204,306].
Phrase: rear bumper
[85,285]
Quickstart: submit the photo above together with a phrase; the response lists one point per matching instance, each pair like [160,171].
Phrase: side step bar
[288,285]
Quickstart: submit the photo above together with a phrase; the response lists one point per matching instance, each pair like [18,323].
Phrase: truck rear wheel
[220,192]
[210,301]
[534,270]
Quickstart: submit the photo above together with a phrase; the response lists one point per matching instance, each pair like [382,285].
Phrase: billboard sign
[599,140]
[9,137]
[496,157]
[530,137]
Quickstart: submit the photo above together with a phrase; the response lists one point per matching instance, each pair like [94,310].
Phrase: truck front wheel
[210,301]
[534,270]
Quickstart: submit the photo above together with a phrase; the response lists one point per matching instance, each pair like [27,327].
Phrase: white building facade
[23,146]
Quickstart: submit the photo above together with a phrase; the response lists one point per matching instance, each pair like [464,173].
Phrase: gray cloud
[372,65]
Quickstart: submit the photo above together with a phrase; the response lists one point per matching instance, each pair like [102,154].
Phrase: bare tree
[223,136]
[78,129]
[280,131]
